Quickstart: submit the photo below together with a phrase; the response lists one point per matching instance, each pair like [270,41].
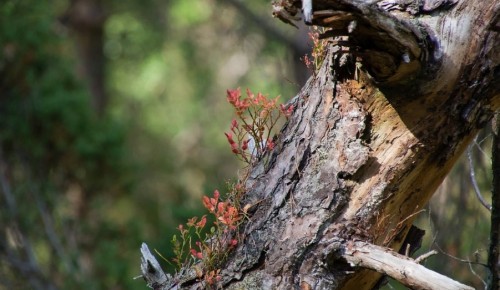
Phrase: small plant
[213,247]
[250,135]
[250,139]
[318,52]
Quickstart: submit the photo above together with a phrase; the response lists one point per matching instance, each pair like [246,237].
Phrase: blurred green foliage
[80,192]
[55,155]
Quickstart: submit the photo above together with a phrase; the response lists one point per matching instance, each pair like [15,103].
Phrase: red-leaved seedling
[250,135]
[318,52]
[250,139]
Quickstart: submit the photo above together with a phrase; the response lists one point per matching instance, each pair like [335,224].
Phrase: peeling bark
[396,101]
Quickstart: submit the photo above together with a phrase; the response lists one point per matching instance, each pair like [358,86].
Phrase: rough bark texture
[368,143]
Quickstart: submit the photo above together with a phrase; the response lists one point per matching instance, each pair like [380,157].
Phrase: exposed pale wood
[399,267]
[152,271]
[360,157]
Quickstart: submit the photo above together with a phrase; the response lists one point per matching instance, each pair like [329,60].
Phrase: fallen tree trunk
[396,101]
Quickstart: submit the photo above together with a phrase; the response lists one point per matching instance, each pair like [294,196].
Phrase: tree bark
[396,101]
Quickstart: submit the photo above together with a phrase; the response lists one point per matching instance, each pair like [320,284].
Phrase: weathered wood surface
[399,267]
[360,157]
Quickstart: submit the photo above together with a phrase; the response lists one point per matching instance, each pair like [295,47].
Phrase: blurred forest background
[112,116]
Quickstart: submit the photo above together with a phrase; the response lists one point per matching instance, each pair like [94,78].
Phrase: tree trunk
[494,249]
[396,101]
[86,19]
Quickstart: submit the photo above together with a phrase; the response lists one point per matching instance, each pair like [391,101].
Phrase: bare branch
[473,177]
[478,144]
[25,262]
[53,238]
[457,258]
[6,189]
[469,262]
[151,270]
[28,266]
[425,256]
[399,267]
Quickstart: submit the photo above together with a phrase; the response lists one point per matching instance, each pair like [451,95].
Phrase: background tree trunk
[368,144]
[494,249]
[86,19]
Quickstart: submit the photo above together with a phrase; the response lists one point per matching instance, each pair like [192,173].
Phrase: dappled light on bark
[373,134]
